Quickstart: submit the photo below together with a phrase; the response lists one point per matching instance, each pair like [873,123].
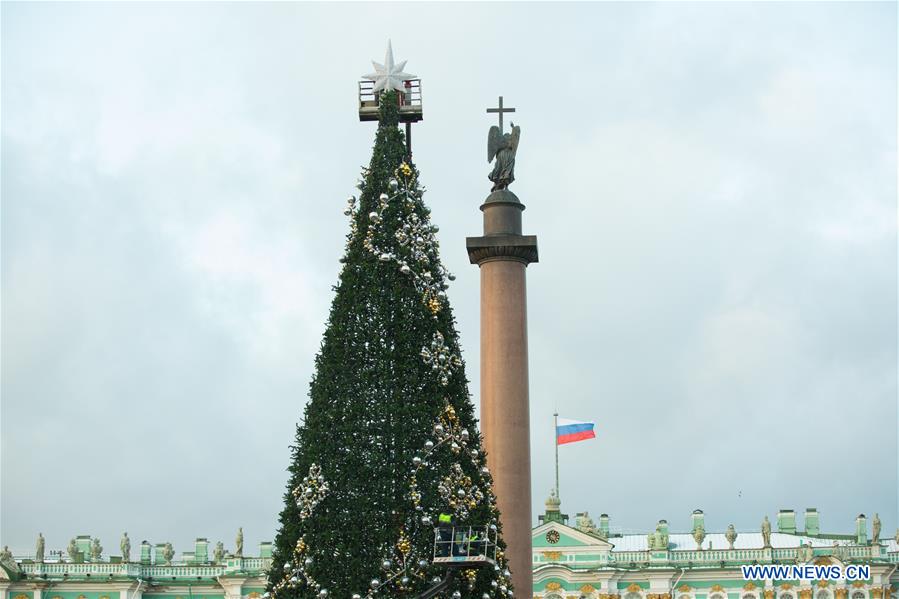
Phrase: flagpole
[556,439]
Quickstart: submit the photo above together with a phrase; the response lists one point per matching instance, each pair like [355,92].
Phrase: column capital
[518,248]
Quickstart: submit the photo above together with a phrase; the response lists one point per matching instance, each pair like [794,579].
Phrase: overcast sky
[713,187]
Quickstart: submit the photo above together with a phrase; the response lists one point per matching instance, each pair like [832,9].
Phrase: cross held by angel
[502,147]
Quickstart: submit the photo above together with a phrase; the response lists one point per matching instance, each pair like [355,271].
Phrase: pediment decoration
[822,584]
[786,586]
[552,534]
[717,588]
[634,588]
[553,586]
[858,584]
[749,586]
[684,588]
[587,588]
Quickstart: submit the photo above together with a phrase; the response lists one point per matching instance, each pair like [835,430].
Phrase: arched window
[749,596]
[633,595]
[859,595]
[823,594]
[786,595]
[717,596]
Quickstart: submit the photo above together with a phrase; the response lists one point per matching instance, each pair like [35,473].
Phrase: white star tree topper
[389,75]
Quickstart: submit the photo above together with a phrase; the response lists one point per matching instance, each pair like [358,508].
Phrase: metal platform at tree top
[409,101]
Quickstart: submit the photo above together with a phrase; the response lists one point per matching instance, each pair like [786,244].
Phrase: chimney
[861,530]
[786,521]
[698,520]
[604,525]
[265,549]
[146,553]
[812,527]
[201,551]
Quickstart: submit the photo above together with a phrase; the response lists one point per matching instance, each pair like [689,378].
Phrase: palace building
[585,561]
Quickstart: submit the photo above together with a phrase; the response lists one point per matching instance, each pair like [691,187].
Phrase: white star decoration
[389,75]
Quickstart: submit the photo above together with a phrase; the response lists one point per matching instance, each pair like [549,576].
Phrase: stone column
[503,254]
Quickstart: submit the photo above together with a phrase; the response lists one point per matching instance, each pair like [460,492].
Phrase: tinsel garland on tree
[389,438]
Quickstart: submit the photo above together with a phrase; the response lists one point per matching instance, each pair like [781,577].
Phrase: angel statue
[503,147]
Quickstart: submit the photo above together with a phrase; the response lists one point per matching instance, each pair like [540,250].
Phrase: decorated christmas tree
[388,441]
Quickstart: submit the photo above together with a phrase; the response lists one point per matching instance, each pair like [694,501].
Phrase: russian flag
[569,431]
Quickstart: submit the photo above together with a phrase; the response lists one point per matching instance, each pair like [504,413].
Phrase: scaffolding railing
[464,545]
[409,101]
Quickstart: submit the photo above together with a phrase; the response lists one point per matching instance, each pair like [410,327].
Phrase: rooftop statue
[219,553]
[96,550]
[125,546]
[238,542]
[39,549]
[875,530]
[72,549]
[585,523]
[168,552]
[5,554]
[766,533]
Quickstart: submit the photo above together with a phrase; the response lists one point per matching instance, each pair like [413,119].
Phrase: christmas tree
[389,440]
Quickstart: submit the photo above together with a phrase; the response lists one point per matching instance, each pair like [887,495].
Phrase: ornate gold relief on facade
[552,555]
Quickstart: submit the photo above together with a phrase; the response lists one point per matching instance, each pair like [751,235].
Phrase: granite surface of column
[503,254]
